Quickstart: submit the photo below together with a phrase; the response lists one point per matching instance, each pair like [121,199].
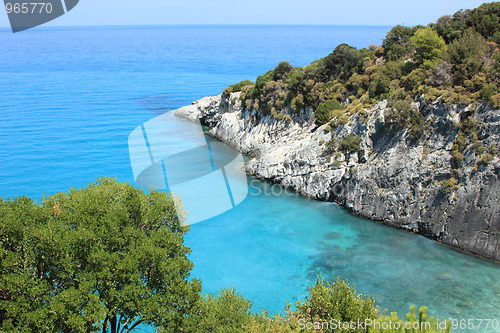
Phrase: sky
[324,12]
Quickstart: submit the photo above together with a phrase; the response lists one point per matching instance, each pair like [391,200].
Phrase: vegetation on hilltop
[456,59]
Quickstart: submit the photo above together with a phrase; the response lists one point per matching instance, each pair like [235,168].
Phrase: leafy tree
[392,69]
[486,20]
[341,63]
[466,55]
[451,27]
[397,42]
[350,143]
[22,284]
[429,46]
[282,70]
[379,86]
[337,301]
[229,312]
[103,258]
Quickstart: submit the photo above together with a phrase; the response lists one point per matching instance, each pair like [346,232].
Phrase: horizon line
[43,27]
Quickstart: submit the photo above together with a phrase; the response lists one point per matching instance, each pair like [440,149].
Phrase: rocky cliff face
[393,177]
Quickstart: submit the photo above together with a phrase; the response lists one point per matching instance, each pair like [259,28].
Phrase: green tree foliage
[108,257]
[397,42]
[451,27]
[483,19]
[237,87]
[261,82]
[350,143]
[429,47]
[282,70]
[229,312]
[341,63]
[466,54]
[486,20]
[326,111]
[337,301]
[380,86]
[103,258]
[224,312]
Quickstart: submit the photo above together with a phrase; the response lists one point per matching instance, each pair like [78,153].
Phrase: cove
[274,245]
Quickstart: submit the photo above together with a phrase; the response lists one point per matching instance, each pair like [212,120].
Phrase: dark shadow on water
[159,104]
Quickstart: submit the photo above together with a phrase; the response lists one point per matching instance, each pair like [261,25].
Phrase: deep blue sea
[69,99]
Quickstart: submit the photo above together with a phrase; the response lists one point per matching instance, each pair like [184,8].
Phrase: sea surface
[70,97]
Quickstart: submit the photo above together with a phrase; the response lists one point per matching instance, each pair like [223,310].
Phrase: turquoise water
[70,98]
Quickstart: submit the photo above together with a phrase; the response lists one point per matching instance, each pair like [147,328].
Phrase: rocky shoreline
[392,178]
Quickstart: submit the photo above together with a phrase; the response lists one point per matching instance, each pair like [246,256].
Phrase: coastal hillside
[406,133]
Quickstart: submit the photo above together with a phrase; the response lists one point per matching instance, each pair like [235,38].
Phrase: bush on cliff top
[237,87]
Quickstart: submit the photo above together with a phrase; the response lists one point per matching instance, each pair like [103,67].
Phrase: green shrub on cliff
[466,54]
[237,87]
[340,64]
[261,82]
[350,143]
[326,111]
[397,42]
[486,159]
[282,70]
[449,184]
[402,115]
